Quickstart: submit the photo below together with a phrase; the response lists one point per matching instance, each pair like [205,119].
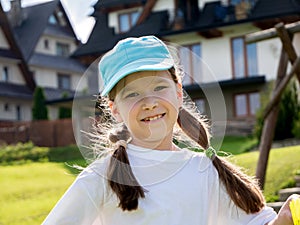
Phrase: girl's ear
[179,93]
[114,111]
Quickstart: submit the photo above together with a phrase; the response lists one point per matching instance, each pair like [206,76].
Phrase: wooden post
[288,53]
[269,126]
[286,40]
[271,33]
[281,86]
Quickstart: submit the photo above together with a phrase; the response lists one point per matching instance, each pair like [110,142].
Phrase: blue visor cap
[131,55]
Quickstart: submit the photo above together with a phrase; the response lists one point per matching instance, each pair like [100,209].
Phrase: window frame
[60,81]
[248,104]
[246,59]
[65,49]
[131,22]
[5,73]
[46,44]
[191,66]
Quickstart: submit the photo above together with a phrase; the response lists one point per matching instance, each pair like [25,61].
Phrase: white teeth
[153,118]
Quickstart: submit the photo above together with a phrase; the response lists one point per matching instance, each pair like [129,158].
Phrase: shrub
[39,110]
[22,152]
[289,107]
[64,112]
[296,126]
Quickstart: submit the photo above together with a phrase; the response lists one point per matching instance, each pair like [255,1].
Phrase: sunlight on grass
[283,162]
[29,191]
[238,145]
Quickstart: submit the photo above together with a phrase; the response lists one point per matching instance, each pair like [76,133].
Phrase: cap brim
[137,66]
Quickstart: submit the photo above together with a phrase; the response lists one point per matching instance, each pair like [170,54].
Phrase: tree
[39,110]
[289,107]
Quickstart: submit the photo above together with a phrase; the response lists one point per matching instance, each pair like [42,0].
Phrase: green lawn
[29,191]
[237,145]
[282,166]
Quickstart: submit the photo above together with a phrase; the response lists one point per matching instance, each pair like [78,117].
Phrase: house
[212,31]
[36,44]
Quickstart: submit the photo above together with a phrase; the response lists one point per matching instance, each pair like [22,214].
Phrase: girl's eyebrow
[127,89]
[156,81]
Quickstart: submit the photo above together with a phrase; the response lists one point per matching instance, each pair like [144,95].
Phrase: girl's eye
[159,88]
[131,95]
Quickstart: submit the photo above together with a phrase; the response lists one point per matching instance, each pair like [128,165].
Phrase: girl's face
[148,103]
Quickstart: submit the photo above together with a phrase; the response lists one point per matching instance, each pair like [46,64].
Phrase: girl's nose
[149,105]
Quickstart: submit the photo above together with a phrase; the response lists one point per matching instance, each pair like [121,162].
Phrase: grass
[282,166]
[29,191]
[237,145]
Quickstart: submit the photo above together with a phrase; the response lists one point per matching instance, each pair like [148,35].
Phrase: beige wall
[14,74]
[11,113]
[49,78]
[45,77]
[216,52]
[40,48]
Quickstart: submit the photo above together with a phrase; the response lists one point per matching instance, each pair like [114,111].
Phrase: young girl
[146,178]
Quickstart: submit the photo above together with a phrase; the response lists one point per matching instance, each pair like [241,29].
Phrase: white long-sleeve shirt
[183,188]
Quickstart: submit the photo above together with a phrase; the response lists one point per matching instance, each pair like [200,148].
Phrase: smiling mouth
[152,118]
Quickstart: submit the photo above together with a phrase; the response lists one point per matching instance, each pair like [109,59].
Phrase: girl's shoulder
[203,163]
[97,168]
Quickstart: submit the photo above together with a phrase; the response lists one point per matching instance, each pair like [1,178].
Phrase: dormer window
[52,20]
[127,21]
[5,74]
[62,49]
[46,44]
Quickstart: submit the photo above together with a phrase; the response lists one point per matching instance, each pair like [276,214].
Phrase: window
[246,104]
[18,112]
[5,74]
[235,2]
[6,107]
[189,10]
[62,49]
[251,59]
[64,81]
[189,57]
[200,103]
[52,19]
[244,58]
[46,44]
[127,21]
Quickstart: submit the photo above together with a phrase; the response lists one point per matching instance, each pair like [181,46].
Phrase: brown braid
[243,190]
[121,178]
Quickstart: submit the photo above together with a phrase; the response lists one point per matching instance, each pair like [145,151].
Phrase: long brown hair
[242,189]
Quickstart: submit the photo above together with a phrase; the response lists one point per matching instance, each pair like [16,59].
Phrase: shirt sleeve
[81,203]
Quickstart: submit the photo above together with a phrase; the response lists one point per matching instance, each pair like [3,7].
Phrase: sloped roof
[8,53]
[58,31]
[29,32]
[271,8]
[23,92]
[55,93]
[104,38]
[15,90]
[101,37]
[36,23]
[14,52]
[113,3]
[56,62]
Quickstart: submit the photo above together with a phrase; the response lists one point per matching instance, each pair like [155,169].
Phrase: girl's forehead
[147,76]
